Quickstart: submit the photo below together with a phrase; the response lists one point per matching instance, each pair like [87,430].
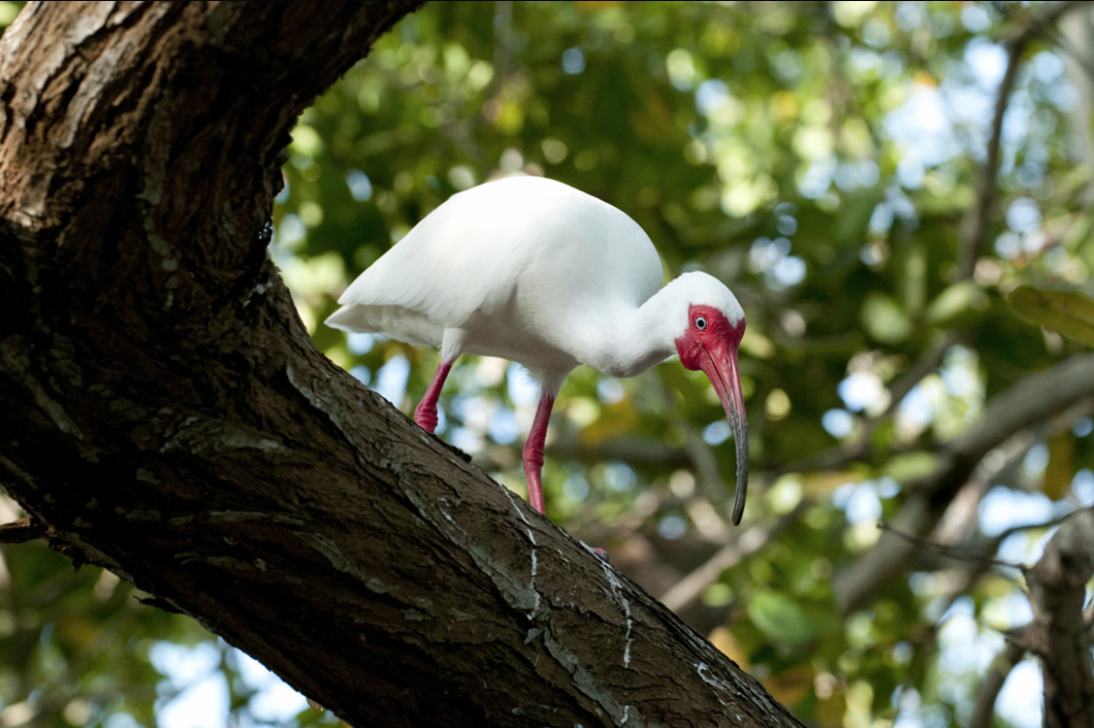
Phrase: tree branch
[840,455]
[976,219]
[1030,401]
[952,552]
[1058,633]
[744,544]
[22,531]
[984,708]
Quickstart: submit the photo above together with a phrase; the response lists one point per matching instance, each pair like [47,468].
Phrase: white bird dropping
[542,274]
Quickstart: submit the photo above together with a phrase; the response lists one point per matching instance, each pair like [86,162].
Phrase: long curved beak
[721,368]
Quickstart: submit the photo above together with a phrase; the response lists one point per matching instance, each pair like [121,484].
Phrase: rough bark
[1059,633]
[163,412]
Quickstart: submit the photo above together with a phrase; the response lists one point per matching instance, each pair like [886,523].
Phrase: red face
[709,330]
[710,343]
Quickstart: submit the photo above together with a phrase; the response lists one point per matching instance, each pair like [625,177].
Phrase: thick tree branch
[1058,633]
[1025,404]
[164,412]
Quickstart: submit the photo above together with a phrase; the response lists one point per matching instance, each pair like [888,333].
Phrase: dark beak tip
[727,383]
[742,473]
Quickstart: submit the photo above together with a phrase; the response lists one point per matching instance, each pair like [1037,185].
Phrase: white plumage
[537,272]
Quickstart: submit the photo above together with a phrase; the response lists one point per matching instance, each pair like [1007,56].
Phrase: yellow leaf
[784,106]
[829,712]
[790,686]
[727,644]
[826,482]
[924,78]
[74,634]
[614,420]
[757,345]
[1061,465]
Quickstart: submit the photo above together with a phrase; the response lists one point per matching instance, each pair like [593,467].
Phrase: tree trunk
[164,414]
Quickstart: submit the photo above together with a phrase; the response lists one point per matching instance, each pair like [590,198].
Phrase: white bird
[537,272]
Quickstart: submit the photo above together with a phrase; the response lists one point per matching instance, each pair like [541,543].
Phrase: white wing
[530,269]
[464,258]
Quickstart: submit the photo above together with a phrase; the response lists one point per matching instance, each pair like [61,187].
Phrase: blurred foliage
[1069,312]
[8,11]
[821,159]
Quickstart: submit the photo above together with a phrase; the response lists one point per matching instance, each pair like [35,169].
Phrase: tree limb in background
[21,531]
[983,709]
[1025,404]
[1058,634]
[164,413]
[1074,39]
[959,526]
[978,557]
[840,455]
[633,449]
[743,544]
[951,552]
[976,219]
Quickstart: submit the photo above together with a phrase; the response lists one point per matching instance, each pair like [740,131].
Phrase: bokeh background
[821,158]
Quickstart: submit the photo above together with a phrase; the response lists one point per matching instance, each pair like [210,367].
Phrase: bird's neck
[629,340]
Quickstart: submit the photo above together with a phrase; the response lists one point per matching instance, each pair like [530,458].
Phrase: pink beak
[721,368]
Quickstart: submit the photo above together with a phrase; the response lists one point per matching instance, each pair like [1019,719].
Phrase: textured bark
[1059,634]
[163,412]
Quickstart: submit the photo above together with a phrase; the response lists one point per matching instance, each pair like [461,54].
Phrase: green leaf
[884,319]
[1068,312]
[908,466]
[955,300]
[780,618]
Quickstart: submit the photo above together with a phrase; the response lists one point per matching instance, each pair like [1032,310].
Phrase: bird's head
[708,341]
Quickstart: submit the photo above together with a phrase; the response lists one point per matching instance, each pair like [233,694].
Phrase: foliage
[1068,312]
[822,159]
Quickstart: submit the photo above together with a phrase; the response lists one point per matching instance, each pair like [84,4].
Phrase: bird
[535,271]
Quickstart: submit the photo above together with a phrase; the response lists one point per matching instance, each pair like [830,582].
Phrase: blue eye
[701,323]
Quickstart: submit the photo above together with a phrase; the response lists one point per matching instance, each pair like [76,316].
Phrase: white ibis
[539,273]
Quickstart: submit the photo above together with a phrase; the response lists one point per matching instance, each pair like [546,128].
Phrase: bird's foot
[598,551]
[426,417]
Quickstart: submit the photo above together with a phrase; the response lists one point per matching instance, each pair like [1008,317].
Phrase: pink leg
[533,451]
[426,412]
[533,457]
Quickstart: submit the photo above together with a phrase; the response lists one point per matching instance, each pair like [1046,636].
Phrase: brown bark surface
[1060,634]
[163,412]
